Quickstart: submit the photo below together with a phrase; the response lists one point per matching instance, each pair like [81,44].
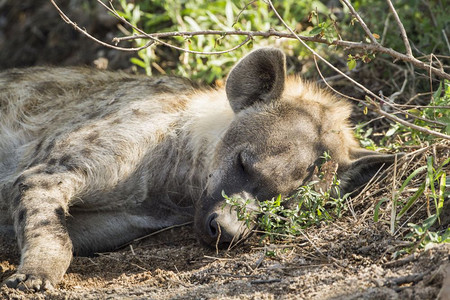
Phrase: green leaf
[316,30]
[429,222]
[377,209]
[138,62]
[442,186]
[411,176]
[392,130]
[411,200]
[351,63]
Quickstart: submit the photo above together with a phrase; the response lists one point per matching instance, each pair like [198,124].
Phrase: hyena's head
[280,132]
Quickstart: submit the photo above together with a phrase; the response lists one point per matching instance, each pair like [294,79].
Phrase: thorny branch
[374,47]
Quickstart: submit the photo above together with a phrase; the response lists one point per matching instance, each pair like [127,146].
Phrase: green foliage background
[425,21]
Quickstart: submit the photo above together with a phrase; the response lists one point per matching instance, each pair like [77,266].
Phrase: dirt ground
[352,258]
[348,259]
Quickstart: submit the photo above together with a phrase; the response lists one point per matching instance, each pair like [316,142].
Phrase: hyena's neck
[207,118]
[201,126]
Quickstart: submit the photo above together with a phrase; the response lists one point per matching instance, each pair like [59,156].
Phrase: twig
[398,93]
[218,258]
[413,278]
[264,281]
[385,29]
[393,105]
[157,232]
[361,22]
[446,39]
[242,10]
[394,198]
[218,238]
[402,29]
[83,31]
[437,123]
[233,275]
[411,125]
[324,80]
[401,262]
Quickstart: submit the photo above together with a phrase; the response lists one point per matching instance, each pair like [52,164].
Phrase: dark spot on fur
[34,163]
[16,200]
[116,121]
[59,212]
[138,113]
[19,180]
[22,215]
[52,162]
[93,115]
[86,152]
[34,211]
[35,235]
[76,127]
[49,88]
[93,136]
[23,187]
[50,146]
[65,159]
[109,114]
[38,147]
[45,185]
[43,223]
[60,231]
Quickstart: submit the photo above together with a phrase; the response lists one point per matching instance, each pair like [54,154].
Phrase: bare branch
[156,37]
[402,29]
[273,33]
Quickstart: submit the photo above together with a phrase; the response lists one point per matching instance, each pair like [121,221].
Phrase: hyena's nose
[224,228]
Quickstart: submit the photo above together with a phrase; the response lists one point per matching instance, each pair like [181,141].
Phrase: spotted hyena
[90,160]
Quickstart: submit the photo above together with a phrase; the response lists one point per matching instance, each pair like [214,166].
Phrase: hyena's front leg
[40,200]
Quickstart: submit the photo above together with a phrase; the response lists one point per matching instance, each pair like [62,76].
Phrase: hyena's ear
[364,166]
[258,77]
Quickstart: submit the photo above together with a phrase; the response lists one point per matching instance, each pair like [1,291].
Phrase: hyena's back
[80,117]
[37,106]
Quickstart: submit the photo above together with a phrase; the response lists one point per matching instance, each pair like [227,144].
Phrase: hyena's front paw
[28,282]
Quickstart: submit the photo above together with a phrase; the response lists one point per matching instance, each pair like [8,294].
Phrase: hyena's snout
[225,224]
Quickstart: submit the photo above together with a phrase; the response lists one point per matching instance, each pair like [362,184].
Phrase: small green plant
[282,218]
[422,237]
[437,112]
[434,188]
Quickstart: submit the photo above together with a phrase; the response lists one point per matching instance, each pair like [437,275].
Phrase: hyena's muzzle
[220,223]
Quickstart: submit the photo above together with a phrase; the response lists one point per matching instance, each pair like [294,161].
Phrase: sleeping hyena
[90,160]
